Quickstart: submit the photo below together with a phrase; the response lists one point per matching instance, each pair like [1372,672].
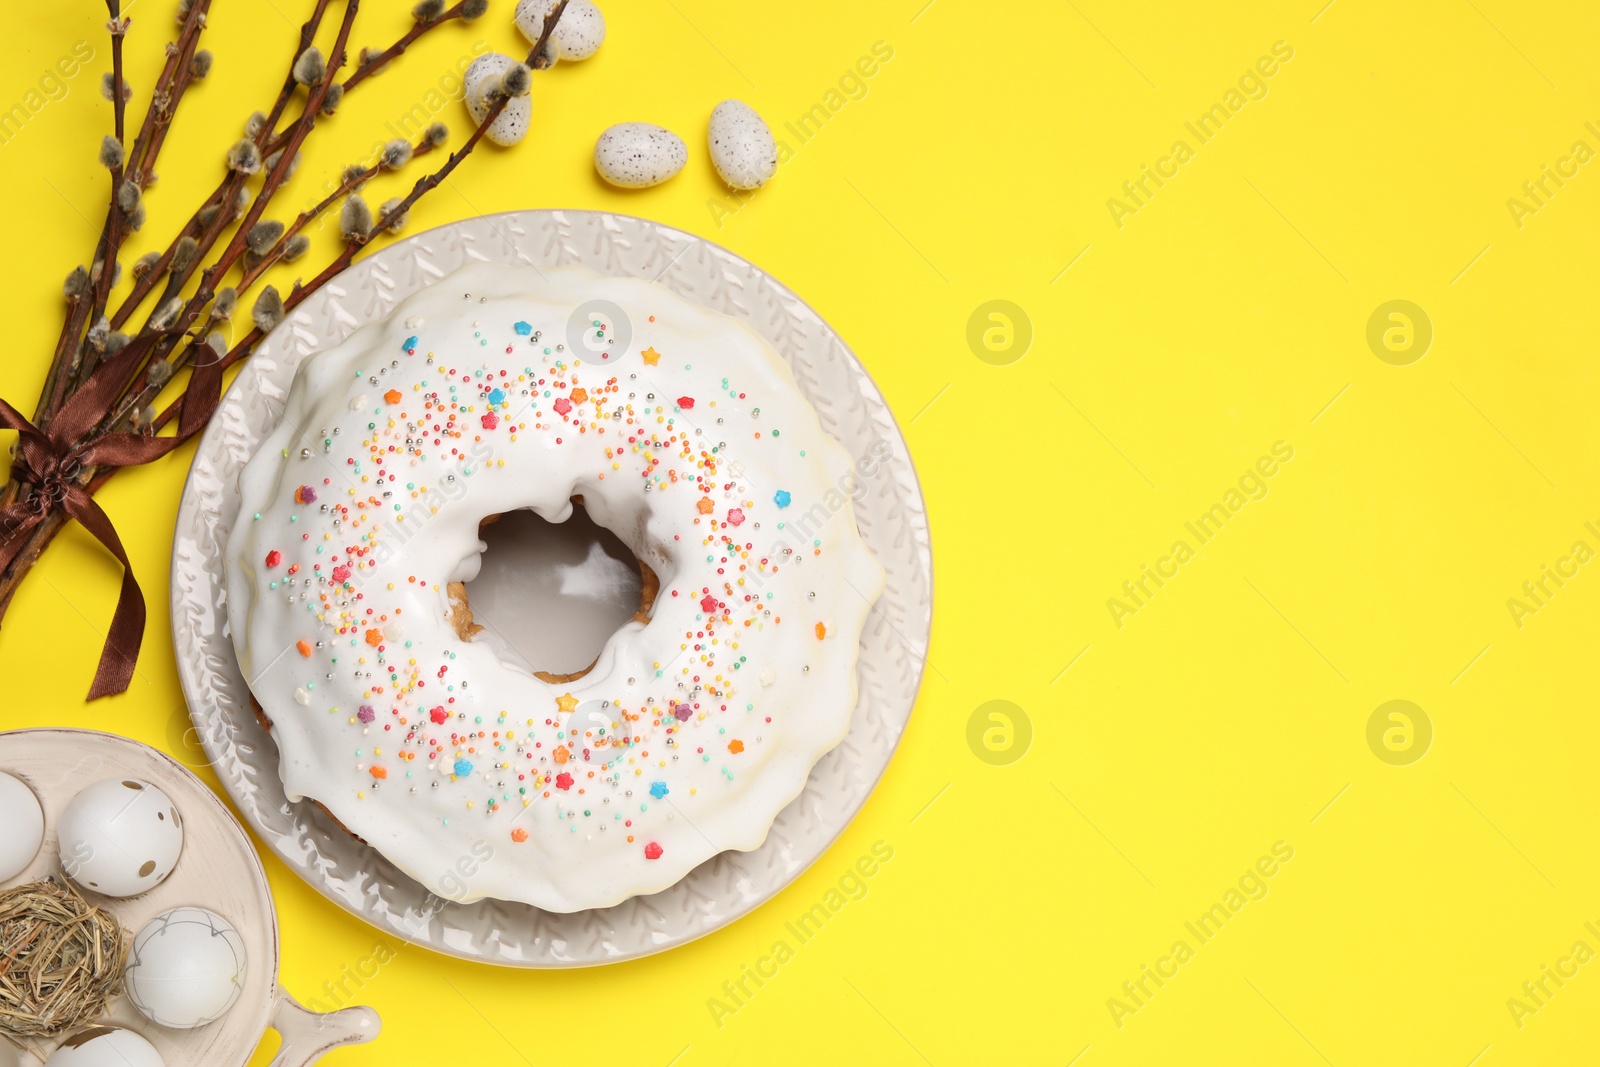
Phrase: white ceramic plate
[892,518]
[218,869]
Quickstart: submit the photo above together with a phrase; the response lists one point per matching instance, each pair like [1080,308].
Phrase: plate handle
[308,1035]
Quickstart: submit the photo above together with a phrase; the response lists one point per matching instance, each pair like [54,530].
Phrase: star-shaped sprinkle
[567,702]
[651,356]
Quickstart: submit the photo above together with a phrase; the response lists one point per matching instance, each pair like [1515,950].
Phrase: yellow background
[1229,313]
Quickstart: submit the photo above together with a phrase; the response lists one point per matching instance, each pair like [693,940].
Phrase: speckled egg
[105,1046]
[579,34]
[484,74]
[742,147]
[637,155]
[186,968]
[120,837]
[21,827]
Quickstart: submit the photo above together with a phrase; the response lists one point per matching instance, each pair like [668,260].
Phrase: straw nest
[60,960]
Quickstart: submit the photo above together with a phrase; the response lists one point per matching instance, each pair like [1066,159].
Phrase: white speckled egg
[742,147]
[579,34]
[484,74]
[105,1046]
[21,827]
[186,968]
[637,155]
[120,837]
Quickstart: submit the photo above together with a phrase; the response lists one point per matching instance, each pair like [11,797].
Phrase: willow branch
[347,255]
[176,77]
[174,80]
[269,142]
[354,181]
[222,199]
[103,266]
[95,478]
[274,181]
[372,63]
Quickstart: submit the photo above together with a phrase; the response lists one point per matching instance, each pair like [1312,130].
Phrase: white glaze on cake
[743,678]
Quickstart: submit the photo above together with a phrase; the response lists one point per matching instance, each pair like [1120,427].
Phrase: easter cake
[678,429]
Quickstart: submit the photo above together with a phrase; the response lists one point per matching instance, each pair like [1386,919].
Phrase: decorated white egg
[579,34]
[484,74]
[742,146]
[186,968]
[637,155]
[21,827]
[120,837]
[105,1046]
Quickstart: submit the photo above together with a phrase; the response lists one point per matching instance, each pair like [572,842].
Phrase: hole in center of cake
[553,593]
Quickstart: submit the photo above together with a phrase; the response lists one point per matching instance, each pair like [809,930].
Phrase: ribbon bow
[53,461]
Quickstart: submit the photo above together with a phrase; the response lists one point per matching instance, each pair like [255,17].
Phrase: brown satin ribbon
[53,459]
